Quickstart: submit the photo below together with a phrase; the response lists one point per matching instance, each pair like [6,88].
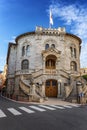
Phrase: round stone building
[44,63]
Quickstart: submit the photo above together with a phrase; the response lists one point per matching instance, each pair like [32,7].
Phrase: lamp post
[59,88]
[79,90]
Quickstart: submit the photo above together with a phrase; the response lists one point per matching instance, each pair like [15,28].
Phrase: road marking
[47,107]
[26,110]
[75,105]
[57,107]
[37,108]
[2,114]
[14,111]
[66,106]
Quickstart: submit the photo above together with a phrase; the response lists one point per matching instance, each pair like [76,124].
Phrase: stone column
[43,89]
[33,89]
[43,64]
[59,89]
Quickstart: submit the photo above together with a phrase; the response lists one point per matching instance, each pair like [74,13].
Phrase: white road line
[37,108]
[14,111]
[2,114]
[75,105]
[26,110]
[66,106]
[57,107]
[47,107]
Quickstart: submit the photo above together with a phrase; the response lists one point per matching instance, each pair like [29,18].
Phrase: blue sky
[20,16]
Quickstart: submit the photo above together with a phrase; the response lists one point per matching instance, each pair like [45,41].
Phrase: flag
[51,19]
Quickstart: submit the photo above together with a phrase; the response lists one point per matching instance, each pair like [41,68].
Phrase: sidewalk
[50,101]
[54,101]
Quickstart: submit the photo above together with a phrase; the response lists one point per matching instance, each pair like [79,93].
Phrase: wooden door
[51,88]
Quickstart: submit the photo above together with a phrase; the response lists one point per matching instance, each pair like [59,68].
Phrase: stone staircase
[25,88]
[64,73]
[69,88]
[81,88]
[30,88]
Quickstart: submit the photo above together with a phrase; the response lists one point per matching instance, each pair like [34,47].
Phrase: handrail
[24,88]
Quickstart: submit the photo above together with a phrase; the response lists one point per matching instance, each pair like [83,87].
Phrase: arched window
[53,45]
[46,46]
[50,62]
[25,65]
[73,66]
[23,50]
[27,50]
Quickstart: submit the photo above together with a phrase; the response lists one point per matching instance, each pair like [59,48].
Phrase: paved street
[23,116]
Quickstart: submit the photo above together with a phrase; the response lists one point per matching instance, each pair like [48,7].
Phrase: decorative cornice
[50,32]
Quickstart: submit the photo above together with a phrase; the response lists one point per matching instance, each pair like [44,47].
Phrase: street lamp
[79,90]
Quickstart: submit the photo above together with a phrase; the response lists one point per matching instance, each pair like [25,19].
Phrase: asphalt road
[18,116]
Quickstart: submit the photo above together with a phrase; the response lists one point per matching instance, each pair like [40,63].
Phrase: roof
[74,36]
[24,34]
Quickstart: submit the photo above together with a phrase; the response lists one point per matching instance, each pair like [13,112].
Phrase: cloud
[11,40]
[75,17]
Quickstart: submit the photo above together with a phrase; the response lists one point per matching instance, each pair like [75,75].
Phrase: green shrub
[85,77]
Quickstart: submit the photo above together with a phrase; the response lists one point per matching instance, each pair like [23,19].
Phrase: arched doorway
[51,88]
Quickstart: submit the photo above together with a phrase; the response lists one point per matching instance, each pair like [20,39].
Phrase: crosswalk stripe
[14,111]
[57,107]
[66,106]
[37,108]
[47,107]
[26,110]
[75,105]
[2,114]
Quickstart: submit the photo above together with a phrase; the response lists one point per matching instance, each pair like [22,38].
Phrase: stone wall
[37,56]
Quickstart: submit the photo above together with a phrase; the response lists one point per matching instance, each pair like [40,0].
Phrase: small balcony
[50,71]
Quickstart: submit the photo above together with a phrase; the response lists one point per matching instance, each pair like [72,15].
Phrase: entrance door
[51,88]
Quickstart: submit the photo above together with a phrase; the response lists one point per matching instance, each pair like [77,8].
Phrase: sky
[21,16]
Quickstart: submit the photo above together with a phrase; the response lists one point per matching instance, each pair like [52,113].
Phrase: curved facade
[43,62]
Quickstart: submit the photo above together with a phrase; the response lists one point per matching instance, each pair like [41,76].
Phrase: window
[54,83]
[25,64]
[73,52]
[23,50]
[50,64]
[27,50]
[46,46]
[73,66]
[53,45]
[48,83]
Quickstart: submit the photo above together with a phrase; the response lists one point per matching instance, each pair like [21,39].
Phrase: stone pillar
[43,64]
[59,89]
[33,89]
[43,89]
[32,92]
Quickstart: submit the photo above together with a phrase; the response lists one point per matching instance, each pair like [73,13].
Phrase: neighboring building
[44,63]
[83,71]
[3,77]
